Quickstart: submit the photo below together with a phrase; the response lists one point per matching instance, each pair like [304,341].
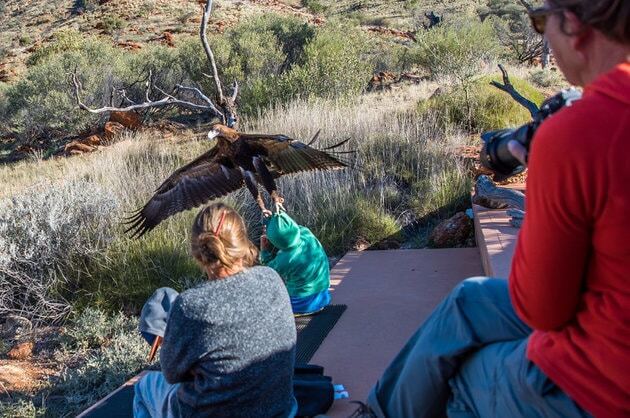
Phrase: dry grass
[407,169]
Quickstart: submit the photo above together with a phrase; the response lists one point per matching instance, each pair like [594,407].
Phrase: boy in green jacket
[300,260]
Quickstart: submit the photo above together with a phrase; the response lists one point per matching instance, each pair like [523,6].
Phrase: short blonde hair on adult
[219,238]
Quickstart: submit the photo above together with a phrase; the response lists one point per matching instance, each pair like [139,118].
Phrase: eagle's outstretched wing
[287,155]
[197,182]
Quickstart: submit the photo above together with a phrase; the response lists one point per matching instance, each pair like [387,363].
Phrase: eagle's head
[222,131]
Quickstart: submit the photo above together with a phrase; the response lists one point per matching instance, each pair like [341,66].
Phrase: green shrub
[113,23]
[20,408]
[42,105]
[276,59]
[161,62]
[315,6]
[93,328]
[478,106]
[101,351]
[458,50]
[65,40]
[547,79]
[255,53]
[24,40]
[333,66]
[390,56]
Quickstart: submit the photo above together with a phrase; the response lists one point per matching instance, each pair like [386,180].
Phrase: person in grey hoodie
[229,344]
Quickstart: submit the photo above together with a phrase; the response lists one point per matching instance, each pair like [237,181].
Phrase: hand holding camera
[505,151]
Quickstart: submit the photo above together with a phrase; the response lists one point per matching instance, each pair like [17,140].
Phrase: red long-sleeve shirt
[570,277]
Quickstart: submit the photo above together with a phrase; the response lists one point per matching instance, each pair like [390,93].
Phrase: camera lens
[495,154]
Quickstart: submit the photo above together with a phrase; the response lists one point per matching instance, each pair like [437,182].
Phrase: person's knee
[478,287]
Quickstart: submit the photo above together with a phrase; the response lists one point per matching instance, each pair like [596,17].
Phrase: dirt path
[23,376]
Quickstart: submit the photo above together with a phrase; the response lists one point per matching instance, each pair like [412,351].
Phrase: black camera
[495,155]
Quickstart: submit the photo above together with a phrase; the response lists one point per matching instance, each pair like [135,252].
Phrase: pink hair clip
[216,231]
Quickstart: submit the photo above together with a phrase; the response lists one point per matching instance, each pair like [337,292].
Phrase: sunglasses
[539,16]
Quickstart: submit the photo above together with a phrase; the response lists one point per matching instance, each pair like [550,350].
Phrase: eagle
[236,160]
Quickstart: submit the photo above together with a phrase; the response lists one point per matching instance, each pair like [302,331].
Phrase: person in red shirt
[554,339]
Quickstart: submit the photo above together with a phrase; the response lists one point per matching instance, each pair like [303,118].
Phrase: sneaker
[362,411]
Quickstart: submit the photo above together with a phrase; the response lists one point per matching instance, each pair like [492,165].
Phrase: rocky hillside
[28,24]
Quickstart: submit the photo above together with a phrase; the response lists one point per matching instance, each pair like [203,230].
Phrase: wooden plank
[495,237]
[96,409]
[389,294]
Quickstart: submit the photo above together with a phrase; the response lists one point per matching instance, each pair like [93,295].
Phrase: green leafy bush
[333,66]
[458,50]
[255,49]
[113,23]
[315,6]
[100,352]
[65,40]
[547,79]
[274,59]
[25,39]
[42,105]
[478,106]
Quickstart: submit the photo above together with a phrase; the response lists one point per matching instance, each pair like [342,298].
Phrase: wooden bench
[389,294]
[496,238]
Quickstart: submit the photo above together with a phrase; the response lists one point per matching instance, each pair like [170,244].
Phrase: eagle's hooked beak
[213,134]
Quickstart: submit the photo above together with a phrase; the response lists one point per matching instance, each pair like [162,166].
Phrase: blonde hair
[219,238]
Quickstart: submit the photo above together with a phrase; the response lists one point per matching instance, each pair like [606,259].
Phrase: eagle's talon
[279,207]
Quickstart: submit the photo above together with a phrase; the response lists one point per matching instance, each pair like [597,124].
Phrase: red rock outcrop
[453,232]
[21,351]
[129,120]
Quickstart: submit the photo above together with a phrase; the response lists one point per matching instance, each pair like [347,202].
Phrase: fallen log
[487,194]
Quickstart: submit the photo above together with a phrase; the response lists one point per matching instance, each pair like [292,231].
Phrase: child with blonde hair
[229,343]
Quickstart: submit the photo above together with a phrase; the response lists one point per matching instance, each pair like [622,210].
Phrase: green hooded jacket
[300,259]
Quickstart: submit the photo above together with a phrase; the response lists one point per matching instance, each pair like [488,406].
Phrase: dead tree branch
[167,100]
[509,89]
[206,47]
[224,107]
[487,194]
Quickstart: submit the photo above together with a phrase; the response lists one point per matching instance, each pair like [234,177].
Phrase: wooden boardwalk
[496,238]
[389,294]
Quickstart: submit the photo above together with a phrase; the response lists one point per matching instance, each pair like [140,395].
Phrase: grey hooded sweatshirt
[231,344]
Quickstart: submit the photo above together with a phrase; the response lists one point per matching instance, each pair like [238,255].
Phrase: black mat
[312,329]
[120,405]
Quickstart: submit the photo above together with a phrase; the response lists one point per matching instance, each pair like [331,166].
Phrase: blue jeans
[156,398]
[469,360]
